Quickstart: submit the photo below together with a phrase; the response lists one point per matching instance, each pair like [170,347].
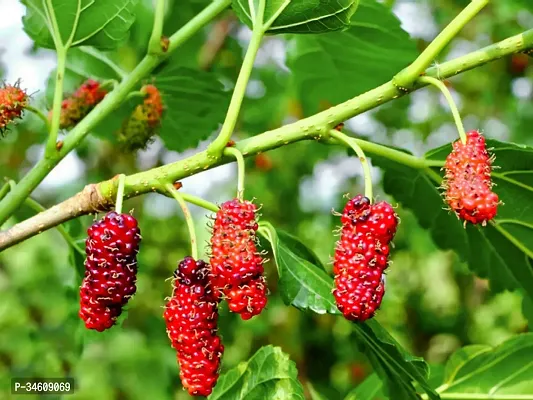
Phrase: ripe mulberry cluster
[236,266]
[110,269]
[468,181]
[77,106]
[13,100]
[361,257]
[191,317]
[140,128]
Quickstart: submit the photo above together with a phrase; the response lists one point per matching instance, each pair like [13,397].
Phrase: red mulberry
[237,267]
[141,126]
[77,106]
[361,257]
[468,181]
[191,317]
[13,100]
[110,269]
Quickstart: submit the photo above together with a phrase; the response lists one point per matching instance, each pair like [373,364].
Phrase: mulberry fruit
[191,317]
[13,100]
[468,181]
[141,126]
[77,106]
[110,269]
[361,257]
[236,266]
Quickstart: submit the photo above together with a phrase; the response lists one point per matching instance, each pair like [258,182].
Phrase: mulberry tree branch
[407,77]
[99,197]
[40,170]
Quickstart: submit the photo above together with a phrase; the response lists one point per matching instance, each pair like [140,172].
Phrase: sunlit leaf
[482,372]
[299,16]
[334,67]
[103,24]
[501,251]
[268,374]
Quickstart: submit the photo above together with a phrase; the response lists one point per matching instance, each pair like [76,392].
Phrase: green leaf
[501,252]
[103,24]
[301,283]
[88,62]
[395,366]
[332,68]
[268,374]
[299,248]
[77,261]
[313,392]
[306,286]
[299,16]
[195,104]
[491,373]
[370,389]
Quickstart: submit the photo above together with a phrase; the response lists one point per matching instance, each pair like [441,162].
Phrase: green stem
[154,46]
[341,137]
[200,202]
[120,193]
[216,148]
[51,149]
[453,107]
[4,190]
[188,218]
[406,78]
[135,94]
[103,109]
[39,114]
[310,128]
[231,151]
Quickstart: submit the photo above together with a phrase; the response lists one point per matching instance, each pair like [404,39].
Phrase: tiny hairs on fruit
[361,257]
[467,182]
[110,269]
[236,266]
[191,316]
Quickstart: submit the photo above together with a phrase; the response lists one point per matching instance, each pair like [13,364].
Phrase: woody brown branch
[88,201]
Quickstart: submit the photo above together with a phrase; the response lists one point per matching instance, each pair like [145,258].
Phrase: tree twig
[101,196]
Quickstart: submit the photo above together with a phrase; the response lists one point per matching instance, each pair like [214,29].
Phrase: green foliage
[195,103]
[268,374]
[396,367]
[306,286]
[502,251]
[336,49]
[300,16]
[370,389]
[103,24]
[83,63]
[485,372]
[302,284]
[332,68]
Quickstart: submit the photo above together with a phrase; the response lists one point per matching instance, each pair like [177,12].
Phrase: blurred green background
[433,305]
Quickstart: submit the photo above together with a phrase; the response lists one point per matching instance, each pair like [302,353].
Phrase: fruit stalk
[188,218]
[240,170]
[362,158]
[453,107]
